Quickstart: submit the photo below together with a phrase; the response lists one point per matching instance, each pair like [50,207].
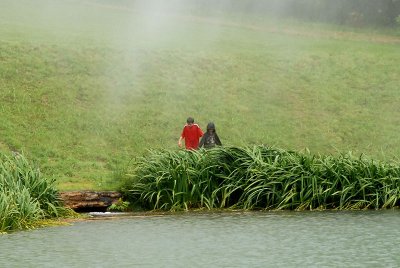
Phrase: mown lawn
[86,86]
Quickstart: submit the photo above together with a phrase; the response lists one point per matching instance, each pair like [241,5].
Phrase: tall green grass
[261,177]
[25,195]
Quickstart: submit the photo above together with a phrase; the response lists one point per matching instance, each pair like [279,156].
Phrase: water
[251,239]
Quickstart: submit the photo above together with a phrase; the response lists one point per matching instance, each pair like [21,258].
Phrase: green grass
[260,177]
[26,197]
[86,86]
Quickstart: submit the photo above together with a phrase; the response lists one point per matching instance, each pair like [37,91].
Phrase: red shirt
[191,134]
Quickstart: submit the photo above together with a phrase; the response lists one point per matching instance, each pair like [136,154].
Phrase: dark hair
[190,120]
[210,126]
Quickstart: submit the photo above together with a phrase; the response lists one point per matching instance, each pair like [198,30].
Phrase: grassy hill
[87,85]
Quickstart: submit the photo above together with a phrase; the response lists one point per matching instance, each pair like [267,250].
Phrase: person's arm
[200,132]
[180,141]
[181,137]
[201,144]
[217,140]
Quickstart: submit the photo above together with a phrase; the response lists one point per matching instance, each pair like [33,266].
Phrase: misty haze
[300,99]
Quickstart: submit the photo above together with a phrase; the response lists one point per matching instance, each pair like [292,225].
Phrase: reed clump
[26,197]
[260,177]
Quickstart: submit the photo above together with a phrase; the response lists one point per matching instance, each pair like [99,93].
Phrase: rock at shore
[89,200]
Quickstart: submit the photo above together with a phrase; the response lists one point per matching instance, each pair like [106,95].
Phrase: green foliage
[261,177]
[25,196]
[120,205]
[86,85]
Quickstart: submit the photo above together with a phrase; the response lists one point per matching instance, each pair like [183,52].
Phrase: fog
[134,27]
[144,54]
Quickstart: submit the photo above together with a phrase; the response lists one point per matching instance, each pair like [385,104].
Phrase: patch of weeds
[120,205]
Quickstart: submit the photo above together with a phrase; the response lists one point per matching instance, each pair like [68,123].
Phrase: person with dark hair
[210,139]
[191,133]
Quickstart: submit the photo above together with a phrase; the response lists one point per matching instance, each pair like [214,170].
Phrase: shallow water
[251,239]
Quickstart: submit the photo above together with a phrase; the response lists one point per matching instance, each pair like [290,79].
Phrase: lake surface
[242,239]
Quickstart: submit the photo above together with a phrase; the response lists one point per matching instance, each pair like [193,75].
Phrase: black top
[210,138]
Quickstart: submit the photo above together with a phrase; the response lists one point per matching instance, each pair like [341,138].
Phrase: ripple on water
[241,239]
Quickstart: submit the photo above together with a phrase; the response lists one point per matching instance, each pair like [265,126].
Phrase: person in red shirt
[191,133]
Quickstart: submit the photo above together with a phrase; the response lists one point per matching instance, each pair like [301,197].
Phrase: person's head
[210,127]
[190,121]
